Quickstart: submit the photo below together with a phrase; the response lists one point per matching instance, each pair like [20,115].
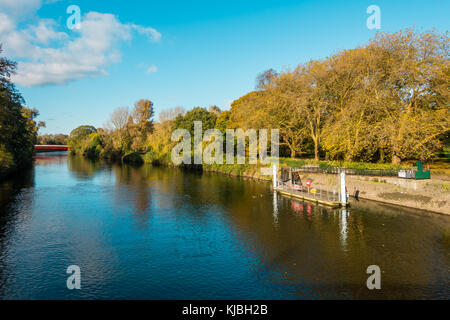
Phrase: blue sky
[178,53]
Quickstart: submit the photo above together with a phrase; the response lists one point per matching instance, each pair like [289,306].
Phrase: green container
[420,175]
[419,166]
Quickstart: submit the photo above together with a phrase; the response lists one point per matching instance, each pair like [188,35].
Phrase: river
[158,233]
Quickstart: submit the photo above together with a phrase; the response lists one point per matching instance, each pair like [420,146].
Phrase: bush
[341,164]
[6,161]
[133,158]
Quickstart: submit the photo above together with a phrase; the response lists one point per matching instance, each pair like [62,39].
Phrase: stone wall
[432,195]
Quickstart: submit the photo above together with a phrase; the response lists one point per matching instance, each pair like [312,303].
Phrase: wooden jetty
[318,197]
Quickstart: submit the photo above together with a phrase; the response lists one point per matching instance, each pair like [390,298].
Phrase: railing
[313,193]
[349,171]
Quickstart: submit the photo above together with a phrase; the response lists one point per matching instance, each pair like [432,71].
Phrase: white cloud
[44,32]
[152,69]
[153,34]
[20,7]
[47,55]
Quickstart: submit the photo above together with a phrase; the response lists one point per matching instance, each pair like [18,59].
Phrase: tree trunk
[348,156]
[316,150]
[396,159]
[293,153]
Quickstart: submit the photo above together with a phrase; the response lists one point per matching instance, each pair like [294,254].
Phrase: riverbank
[431,195]
[9,168]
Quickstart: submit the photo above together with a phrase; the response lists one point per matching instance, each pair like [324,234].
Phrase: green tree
[78,137]
[17,126]
[207,119]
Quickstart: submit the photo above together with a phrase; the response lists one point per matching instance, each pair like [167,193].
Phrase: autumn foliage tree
[386,101]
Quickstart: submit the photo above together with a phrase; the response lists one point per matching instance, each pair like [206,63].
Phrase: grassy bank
[238,170]
[163,159]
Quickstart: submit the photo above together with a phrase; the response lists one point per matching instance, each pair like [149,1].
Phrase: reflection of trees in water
[14,205]
[50,158]
[332,247]
[305,246]
[131,181]
[405,244]
[132,188]
[83,168]
[335,246]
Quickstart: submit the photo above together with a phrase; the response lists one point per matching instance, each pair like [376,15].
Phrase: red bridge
[50,148]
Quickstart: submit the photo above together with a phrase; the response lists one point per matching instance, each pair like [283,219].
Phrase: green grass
[233,169]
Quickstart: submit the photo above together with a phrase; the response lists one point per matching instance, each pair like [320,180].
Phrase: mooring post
[275,171]
[343,192]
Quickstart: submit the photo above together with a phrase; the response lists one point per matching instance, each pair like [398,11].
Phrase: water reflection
[82,168]
[15,213]
[145,232]
[300,242]
[343,222]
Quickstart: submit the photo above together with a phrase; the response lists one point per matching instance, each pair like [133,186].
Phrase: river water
[155,233]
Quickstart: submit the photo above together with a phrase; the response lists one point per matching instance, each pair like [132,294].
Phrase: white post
[343,193]
[275,171]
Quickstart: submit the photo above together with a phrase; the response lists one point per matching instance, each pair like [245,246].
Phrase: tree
[215,109]
[265,78]
[414,93]
[223,121]
[143,115]
[291,125]
[207,119]
[119,118]
[385,101]
[140,124]
[53,139]
[17,126]
[304,91]
[81,132]
[350,132]
[250,111]
[171,114]
[78,136]
[118,127]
